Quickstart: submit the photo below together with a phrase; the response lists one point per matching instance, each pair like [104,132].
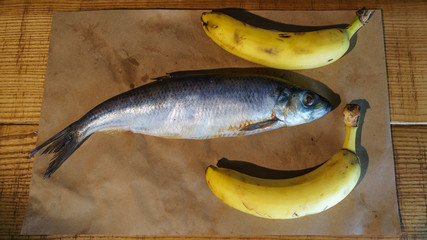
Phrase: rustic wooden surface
[24,44]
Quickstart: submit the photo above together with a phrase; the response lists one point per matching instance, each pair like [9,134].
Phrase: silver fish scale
[190,107]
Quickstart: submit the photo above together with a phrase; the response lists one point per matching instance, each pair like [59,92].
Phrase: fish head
[296,106]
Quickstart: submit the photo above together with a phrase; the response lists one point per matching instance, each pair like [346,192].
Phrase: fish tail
[62,145]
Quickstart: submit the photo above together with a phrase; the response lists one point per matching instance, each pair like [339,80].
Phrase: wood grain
[24,48]
[24,44]
[411,174]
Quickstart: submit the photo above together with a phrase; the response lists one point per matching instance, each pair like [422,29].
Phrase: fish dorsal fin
[259,125]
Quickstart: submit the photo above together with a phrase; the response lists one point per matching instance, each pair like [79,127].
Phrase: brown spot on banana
[284,35]
[237,38]
[270,51]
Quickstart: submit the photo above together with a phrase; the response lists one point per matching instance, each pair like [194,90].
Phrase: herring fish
[192,107]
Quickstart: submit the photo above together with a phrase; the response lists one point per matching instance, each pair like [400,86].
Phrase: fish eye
[309,99]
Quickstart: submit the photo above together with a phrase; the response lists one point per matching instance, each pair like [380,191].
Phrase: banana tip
[351,115]
[209,167]
[365,14]
[202,20]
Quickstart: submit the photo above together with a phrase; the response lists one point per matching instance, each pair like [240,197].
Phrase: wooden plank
[406,62]
[410,143]
[15,176]
[24,41]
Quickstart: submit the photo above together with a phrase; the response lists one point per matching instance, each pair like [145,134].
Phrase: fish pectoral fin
[259,125]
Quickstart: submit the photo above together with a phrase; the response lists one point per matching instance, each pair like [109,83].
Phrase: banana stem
[350,138]
[351,121]
[363,15]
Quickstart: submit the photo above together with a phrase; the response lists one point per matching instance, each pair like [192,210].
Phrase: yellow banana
[282,50]
[295,197]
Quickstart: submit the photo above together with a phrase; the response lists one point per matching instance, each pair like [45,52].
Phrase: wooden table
[24,44]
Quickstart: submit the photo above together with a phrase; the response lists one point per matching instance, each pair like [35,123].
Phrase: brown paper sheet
[123,183]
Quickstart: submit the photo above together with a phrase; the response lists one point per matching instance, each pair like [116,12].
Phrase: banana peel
[310,193]
[282,50]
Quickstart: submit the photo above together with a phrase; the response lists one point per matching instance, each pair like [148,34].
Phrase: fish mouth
[322,108]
